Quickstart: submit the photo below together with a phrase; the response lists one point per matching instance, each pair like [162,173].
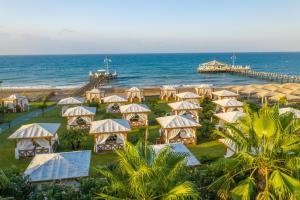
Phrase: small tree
[74,137]
[206,117]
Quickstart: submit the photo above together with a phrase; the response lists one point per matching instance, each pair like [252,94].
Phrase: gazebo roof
[184,105]
[177,121]
[228,103]
[14,97]
[114,99]
[178,148]
[290,110]
[79,111]
[225,93]
[58,166]
[36,130]
[204,86]
[230,117]
[168,87]
[248,90]
[134,108]
[71,101]
[188,95]
[264,93]
[134,89]
[94,91]
[110,126]
[214,63]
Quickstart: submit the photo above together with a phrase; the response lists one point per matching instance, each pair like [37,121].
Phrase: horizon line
[149,53]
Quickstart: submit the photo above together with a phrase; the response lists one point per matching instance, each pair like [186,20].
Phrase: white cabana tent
[63,167]
[177,128]
[16,103]
[36,138]
[191,160]
[80,116]
[69,102]
[204,90]
[226,105]
[135,94]
[114,102]
[94,95]
[225,94]
[167,92]
[186,108]
[229,146]
[290,110]
[228,117]
[188,96]
[109,134]
[136,114]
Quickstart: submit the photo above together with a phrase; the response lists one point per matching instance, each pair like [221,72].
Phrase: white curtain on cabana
[44,143]
[142,117]
[73,120]
[24,144]
[110,106]
[184,133]
[121,138]
[101,139]
[235,109]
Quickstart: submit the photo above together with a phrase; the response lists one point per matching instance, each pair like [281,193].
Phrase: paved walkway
[24,118]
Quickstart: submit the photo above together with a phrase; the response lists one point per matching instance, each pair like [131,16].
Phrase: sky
[148,26]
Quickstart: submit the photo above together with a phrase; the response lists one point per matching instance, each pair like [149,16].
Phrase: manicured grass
[211,149]
[8,117]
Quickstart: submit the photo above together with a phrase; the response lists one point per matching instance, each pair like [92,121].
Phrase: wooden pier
[218,67]
[95,83]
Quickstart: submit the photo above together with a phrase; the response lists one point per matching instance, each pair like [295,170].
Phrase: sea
[141,70]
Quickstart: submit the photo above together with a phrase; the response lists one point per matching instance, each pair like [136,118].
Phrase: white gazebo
[296,112]
[80,116]
[204,90]
[94,95]
[16,103]
[167,92]
[225,94]
[228,118]
[114,102]
[226,105]
[37,138]
[135,94]
[186,108]
[229,146]
[64,167]
[136,114]
[191,160]
[188,96]
[69,102]
[109,134]
[177,128]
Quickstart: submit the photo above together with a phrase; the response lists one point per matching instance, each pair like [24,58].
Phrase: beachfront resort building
[227,105]
[136,114]
[186,108]
[188,96]
[36,138]
[167,92]
[70,102]
[181,149]
[135,94]
[64,167]
[109,134]
[177,129]
[80,116]
[15,103]
[94,95]
[114,102]
[204,90]
[224,94]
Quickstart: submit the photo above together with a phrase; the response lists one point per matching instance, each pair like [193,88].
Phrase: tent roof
[289,97]
[14,97]
[110,126]
[176,121]
[94,90]
[204,86]
[228,103]
[230,117]
[36,130]
[134,108]
[114,99]
[79,111]
[290,110]
[58,166]
[168,87]
[178,148]
[134,89]
[184,105]
[188,95]
[71,101]
[225,93]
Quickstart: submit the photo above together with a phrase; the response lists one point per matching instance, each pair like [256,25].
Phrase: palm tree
[142,174]
[266,164]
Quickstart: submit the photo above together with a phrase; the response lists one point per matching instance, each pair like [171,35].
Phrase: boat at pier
[103,73]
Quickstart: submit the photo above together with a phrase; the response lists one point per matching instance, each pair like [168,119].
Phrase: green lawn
[211,149]
[8,117]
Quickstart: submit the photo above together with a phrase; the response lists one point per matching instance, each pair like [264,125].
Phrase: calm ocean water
[138,69]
